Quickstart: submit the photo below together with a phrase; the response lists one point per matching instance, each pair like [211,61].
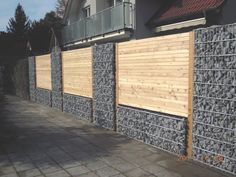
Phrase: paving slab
[61,173]
[137,172]
[30,173]
[96,164]
[36,141]
[75,171]
[107,172]
[90,174]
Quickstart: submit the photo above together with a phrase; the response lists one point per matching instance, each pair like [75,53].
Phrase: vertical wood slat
[190,99]
[117,79]
[92,60]
[62,73]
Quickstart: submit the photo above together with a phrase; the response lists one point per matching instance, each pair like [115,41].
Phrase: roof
[180,8]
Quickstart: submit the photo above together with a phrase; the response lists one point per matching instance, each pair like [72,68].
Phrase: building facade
[89,22]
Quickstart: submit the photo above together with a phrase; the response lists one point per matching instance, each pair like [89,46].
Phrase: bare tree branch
[60,7]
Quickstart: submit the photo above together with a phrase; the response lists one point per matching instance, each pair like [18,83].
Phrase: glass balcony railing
[112,19]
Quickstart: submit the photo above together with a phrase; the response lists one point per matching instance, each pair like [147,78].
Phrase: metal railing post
[124,14]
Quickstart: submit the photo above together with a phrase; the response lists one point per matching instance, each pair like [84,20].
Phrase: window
[87,11]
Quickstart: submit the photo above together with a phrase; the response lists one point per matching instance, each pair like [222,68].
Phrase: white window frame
[87,11]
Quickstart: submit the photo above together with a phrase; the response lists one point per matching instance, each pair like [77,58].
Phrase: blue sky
[34,9]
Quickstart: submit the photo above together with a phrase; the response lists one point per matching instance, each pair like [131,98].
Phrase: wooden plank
[155,52]
[182,45]
[117,73]
[190,94]
[91,86]
[149,59]
[171,91]
[154,74]
[117,80]
[143,68]
[77,72]
[160,95]
[43,72]
[155,85]
[169,38]
[172,81]
[154,105]
[154,56]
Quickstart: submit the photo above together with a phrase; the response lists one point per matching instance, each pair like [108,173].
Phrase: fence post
[56,75]
[190,96]
[117,81]
[32,78]
[104,85]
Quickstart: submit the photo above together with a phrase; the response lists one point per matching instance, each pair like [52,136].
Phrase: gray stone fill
[218,161]
[214,115]
[104,105]
[78,106]
[44,97]
[56,64]
[32,78]
[57,100]
[166,132]
[56,68]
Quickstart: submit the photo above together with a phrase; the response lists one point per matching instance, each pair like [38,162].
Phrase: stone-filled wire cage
[214,120]
[142,89]
[1,78]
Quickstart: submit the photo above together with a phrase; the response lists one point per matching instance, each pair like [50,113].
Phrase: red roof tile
[181,8]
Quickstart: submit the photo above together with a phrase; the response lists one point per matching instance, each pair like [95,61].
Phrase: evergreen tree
[41,32]
[20,24]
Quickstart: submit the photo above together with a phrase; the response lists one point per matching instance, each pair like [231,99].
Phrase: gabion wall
[57,100]
[32,78]
[78,106]
[1,78]
[104,85]
[214,128]
[20,78]
[56,64]
[166,132]
[44,97]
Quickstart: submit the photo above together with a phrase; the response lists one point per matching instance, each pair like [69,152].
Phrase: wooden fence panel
[153,74]
[43,72]
[77,72]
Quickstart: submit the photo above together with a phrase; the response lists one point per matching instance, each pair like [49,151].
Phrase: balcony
[117,18]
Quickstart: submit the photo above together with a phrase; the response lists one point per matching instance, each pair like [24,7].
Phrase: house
[94,20]
[185,15]
[98,21]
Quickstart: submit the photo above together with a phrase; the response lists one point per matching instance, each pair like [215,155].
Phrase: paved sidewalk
[39,141]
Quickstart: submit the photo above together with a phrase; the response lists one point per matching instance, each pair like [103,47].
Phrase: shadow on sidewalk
[35,136]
